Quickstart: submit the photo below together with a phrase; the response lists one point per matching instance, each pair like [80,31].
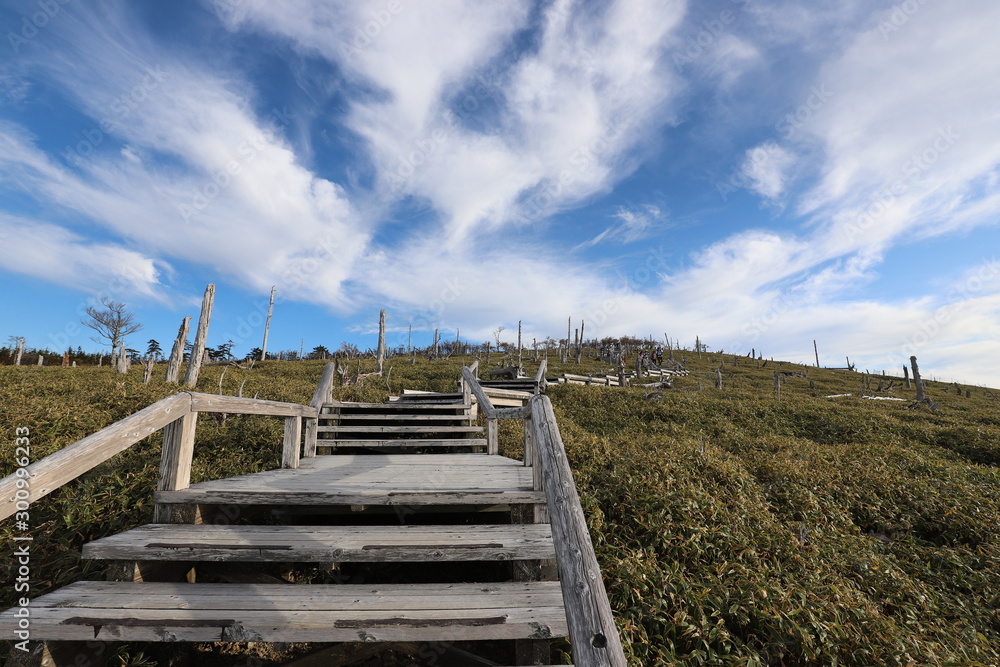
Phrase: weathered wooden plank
[400,429]
[290,442]
[83,455]
[593,632]
[106,611]
[365,416]
[457,442]
[177,542]
[309,497]
[248,406]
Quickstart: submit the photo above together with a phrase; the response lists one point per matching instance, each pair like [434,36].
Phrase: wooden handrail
[248,406]
[593,633]
[323,394]
[82,456]
[592,629]
[540,376]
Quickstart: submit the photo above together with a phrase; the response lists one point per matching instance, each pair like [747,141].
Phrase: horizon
[756,173]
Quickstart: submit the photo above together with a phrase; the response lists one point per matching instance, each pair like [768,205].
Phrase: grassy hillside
[733,529]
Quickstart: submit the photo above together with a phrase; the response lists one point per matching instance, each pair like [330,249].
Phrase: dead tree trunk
[579,346]
[148,373]
[41,360]
[121,363]
[267,326]
[20,351]
[194,364]
[906,375]
[380,354]
[65,360]
[519,362]
[917,381]
[816,350]
[718,378]
[176,353]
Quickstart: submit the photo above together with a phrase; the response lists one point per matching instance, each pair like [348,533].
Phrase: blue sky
[758,173]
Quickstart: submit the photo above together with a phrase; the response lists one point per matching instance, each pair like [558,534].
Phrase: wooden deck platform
[346,493]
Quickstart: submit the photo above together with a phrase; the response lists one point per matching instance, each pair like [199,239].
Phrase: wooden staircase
[404,482]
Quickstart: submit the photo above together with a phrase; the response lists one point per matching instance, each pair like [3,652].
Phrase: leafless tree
[112,323]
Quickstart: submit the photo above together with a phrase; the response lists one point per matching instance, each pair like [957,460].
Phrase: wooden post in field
[121,360]
[534,347]
[777,384]
[916,379]
[569,329]
[267,326]
[380,354]
[20,351]
[176,353]
[697,344]
[519,345]
[436,339]
[65,359]
[816,350]
[148,373]
[194,364]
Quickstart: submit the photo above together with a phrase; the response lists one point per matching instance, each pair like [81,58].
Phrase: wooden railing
[323,394]
[592,629]
[177,416]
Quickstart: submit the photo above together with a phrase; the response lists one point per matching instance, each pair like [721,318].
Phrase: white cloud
[566,111]
[54,254]
[909,121]
[766,168]
[634,224]
[178,163]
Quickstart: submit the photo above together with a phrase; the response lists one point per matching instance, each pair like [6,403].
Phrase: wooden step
[470,496]
[157,612]
[399,429]
[326,544]
[418,406]
[403,442]
[354,416]
[373,479]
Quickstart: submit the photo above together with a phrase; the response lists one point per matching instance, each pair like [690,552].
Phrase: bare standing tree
[112,323]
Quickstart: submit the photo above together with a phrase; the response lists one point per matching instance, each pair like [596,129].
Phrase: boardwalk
[375,485]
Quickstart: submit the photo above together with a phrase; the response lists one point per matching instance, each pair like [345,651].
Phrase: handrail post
[175,461]
[593,633]
[290,445]
[492,436]
[540,377]
[322,395]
